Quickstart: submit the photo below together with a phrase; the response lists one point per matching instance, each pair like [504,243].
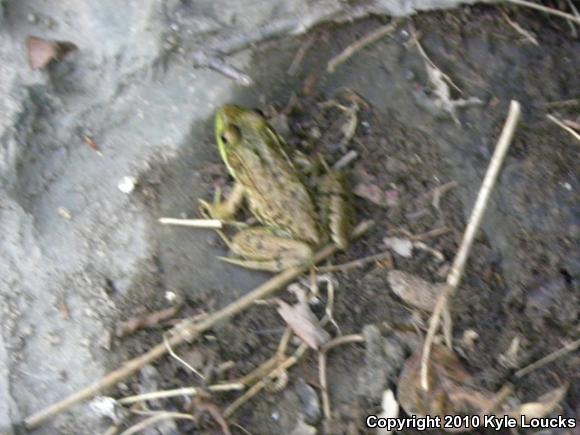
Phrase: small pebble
[127,184]
[64,213]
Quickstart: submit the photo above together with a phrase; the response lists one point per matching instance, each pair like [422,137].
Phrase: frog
[294,217]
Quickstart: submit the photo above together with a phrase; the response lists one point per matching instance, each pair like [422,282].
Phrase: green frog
[293,225]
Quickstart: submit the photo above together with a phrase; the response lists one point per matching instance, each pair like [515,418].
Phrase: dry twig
[545,9]
[529,36]
[372,37]
[186,333]
[456,272]
[196,223]
[187,391]
[564,126]
[570,347]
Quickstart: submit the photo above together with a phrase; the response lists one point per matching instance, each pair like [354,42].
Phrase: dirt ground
[522,279]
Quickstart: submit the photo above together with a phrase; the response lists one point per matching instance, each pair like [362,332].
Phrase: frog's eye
[230,135]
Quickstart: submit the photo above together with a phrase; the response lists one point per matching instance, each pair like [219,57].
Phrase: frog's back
[275,192]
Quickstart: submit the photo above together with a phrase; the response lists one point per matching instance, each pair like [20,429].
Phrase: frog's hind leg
[260,248]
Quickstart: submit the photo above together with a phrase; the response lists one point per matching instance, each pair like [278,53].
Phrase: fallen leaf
[450,386]
[544,406]
[371,192]
[42,51]
[304,323]
[403,247]
[390,409]
[413,290]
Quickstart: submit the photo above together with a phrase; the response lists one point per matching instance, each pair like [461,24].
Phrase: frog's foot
[259,248]
[224,210]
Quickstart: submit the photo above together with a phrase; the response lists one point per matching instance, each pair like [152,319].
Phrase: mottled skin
[265,175]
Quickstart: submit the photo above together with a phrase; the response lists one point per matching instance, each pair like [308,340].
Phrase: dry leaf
[42,51]
[390,410]
[450,390]
[544,406]
[403,247]
[372,192]
[304,323]
[414,290]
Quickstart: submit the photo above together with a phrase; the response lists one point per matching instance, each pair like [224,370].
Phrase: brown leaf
[450,390]
[371,192]
[304,323]
[414,290]
[544,406]
[42,51]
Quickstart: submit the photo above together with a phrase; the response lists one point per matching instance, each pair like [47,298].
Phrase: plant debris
[413,290]
[147,320]
[304,323]
[43,51]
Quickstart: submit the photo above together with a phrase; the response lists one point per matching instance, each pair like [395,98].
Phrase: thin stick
[164,415]
[187,391]
[322,378]
[570,347]
[355,263]
[189,332]
[323,381]
[545,9]
[525,33]
[564,126]
[259,386]
[456,272]
[297,61]
[372,37]
[196,223]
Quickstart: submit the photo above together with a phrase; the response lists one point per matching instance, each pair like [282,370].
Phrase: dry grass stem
[570,347]
[164,415]
[344,267]
[358,45]
[187,333]
[214,224]
[458,266]
[525,33]
[188,391]
[343,339]
[430,62]
[563,126]
[546,9]
[297,61]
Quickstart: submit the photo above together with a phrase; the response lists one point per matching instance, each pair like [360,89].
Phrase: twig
[196,223]
[164,415]
[345,160]
[458,266]
[564,103]
[362,43]
[545,9]
[188,391]
[297,61]
[525,33]
[322,378]
[570,347]
[259,386]
[188,332]
[179,359]
[355,263]
[564,126]
[425,56]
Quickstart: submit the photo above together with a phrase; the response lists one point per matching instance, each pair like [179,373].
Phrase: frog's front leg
[261,248]
[225,210]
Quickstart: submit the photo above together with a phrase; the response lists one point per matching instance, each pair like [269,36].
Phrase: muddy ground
[521,281]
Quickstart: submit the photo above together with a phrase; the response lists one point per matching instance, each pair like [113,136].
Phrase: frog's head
[236,126]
